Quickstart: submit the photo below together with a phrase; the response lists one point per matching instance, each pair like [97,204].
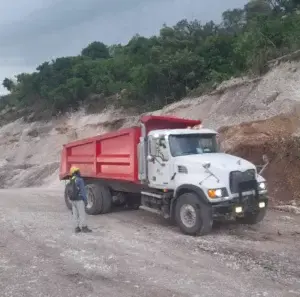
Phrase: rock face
[30,152]
[277,138]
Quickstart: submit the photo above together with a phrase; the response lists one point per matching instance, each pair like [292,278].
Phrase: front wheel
[252,218]
[193,216]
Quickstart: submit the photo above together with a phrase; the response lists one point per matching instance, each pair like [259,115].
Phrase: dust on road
[135,253]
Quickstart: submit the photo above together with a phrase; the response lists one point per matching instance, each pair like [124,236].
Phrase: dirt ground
[136,253]
[278,139]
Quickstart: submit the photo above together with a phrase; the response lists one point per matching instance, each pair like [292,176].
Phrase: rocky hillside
[30,151]
[278,139]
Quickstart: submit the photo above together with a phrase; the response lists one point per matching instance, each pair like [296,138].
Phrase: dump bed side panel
[109,156]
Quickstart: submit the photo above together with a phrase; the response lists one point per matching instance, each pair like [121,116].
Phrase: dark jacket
[81,187]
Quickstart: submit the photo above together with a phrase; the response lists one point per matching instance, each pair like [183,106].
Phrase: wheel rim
[90,199]
[188,215]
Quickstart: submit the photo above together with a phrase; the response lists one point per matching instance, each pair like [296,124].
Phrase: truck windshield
[192,144]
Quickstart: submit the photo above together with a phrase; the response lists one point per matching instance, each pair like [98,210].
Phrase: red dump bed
[114,155]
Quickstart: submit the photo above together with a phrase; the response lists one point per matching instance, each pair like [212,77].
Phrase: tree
[286,6]
[257,8]
[148,73]
[96,50]
[8,84]
[234,20]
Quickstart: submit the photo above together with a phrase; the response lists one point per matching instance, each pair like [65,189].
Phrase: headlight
[239,209]
[217,193]
[262,186]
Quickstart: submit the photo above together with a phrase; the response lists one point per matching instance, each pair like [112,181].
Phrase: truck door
[158,162]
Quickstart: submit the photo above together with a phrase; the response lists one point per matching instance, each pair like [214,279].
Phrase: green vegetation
[151,72]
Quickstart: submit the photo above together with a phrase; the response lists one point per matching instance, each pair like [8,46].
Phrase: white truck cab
[196,183]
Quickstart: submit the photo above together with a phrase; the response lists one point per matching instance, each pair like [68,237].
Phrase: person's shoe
[77,230]
[86,230]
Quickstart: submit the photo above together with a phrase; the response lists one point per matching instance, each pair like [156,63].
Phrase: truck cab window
[158,148]
[192,144]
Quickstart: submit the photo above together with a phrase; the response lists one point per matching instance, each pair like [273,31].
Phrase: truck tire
[252,218]
[99,199]
[192,215]
[67,199]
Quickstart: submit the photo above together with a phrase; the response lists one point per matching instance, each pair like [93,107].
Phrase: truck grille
[245,179]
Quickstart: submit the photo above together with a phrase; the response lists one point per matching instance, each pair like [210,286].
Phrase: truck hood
[219,161]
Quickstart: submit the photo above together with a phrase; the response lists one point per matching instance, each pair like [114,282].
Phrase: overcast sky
[32,31]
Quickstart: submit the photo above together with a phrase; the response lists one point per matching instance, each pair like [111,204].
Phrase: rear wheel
[252,218]
[193,216]
[99,199]
[67,199]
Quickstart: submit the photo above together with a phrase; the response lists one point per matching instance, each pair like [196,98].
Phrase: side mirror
[265,159]
[266,163]
[162,143]
[150,158]
[206,165]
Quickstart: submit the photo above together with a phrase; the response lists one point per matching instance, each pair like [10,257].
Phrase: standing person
[78,198]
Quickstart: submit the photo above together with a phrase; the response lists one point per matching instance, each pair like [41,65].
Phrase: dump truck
[171,166]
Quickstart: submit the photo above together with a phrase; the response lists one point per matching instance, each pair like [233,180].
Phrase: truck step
[154,195]
[155,211]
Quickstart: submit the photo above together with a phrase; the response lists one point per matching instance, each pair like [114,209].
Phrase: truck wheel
[67,199]
[99,199]
[192,215]
[252,218]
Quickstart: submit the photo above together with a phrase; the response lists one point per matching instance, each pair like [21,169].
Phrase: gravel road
[136,254]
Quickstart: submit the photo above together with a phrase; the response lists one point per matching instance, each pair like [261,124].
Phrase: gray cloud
[32,31]
[62,15]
